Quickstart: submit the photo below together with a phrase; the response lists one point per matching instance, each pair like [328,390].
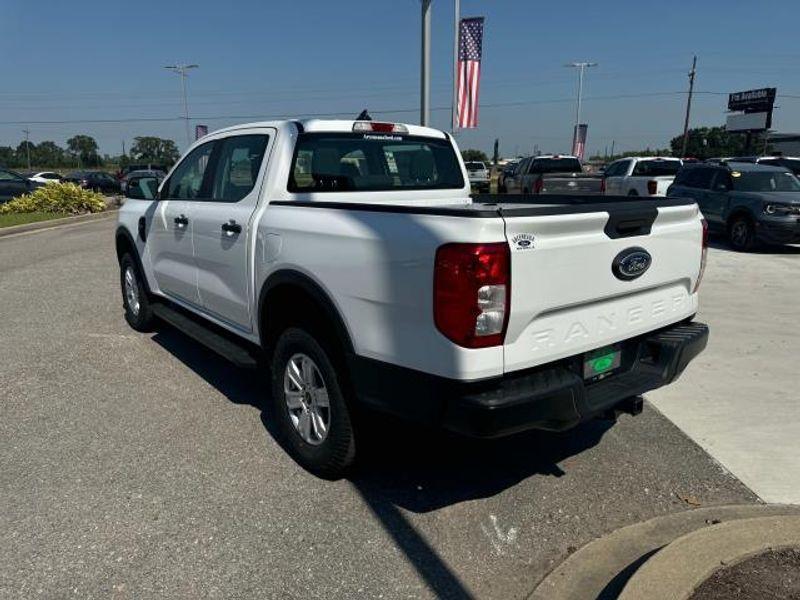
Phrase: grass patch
[11,219]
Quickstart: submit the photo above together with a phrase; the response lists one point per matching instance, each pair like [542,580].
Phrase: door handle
[231,227]
[181,221]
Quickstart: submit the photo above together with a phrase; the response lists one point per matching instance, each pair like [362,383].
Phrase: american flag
[470,45]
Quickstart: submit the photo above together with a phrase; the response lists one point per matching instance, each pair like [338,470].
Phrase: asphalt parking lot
[142,466]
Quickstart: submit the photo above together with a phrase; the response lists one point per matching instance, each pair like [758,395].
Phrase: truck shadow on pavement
[718,242]
[406,466]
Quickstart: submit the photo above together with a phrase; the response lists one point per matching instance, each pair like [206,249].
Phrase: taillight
[603,185]
[538,186]
[378,127]
[472,293]
[703,254]
[652,187]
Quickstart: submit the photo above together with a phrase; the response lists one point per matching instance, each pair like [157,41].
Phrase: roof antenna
[364,116]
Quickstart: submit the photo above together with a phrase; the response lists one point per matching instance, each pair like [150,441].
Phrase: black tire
[633,193]
[138,312]
[742,233]
[333,455]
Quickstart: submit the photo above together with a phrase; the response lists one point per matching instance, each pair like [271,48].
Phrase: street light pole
[181,69]
[425,67]
[581,66]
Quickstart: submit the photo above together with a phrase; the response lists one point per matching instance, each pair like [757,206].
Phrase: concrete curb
[55,223]
[601,568]
[677,570]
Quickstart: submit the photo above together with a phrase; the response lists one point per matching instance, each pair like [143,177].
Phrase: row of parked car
[13,184]
[749,199]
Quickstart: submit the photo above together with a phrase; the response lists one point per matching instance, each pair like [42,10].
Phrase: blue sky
[90,60]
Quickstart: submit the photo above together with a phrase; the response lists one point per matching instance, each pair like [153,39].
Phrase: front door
[170,235]
[222,229]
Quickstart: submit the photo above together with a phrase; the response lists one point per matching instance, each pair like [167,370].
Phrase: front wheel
[742,234]
[138,312]
[312,414]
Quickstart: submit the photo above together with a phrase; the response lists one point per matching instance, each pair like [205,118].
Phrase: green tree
[709,142]
[49,154]
[472,154]
[84,148]
[8,158]
[153,149]
[22,153]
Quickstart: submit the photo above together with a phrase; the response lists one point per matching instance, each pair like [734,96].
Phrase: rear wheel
[313,416]
[742,234]
[633,193]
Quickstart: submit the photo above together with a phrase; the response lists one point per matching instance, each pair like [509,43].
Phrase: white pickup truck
[640,176]
[348,257]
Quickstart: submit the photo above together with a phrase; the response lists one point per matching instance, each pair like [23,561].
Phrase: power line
[331,114]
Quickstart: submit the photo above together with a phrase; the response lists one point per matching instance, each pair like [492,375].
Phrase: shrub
[56,198]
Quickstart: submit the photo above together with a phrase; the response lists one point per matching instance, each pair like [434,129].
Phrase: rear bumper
[480,186]
[552,397]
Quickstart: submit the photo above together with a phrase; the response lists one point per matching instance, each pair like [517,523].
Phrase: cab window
[187,181]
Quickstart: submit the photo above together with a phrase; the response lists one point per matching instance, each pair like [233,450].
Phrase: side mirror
[142,188]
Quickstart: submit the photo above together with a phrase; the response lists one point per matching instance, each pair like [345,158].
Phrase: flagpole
[453,109]
[425,70]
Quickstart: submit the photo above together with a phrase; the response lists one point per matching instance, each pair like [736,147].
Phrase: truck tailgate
[565,297]
[571,184]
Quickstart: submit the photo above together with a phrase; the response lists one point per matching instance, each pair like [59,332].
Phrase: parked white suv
[349,258]
[641,176]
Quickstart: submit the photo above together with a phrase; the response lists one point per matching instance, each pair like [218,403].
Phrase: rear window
[475,166]
[342,162]
[556,165]
[792,164]
[657,168]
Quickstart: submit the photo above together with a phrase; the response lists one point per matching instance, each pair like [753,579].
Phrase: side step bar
[236,353]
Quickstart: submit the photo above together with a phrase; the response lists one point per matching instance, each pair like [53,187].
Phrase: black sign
[752,100]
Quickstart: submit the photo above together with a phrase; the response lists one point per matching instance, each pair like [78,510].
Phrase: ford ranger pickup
[349,258]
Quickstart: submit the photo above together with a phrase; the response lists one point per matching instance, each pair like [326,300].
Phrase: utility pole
[27,133]
[688,107]
[613,142]
[581,66]
[181,69]
[456,32]
[425,68]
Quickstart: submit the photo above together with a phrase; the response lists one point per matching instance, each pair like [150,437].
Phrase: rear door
[715,198]
[222,222]
[169,239]
[614,176]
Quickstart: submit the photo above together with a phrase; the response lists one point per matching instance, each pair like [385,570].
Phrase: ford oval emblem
[631,263]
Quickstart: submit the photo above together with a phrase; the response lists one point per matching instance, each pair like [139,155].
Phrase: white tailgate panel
[565,299]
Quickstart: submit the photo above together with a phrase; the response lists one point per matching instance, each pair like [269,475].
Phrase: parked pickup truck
[349,258]
[478,175]
[641,176]
[552,174]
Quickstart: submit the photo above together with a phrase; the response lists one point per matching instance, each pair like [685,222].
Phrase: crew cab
[641,176]
[349,258]
[552,174]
